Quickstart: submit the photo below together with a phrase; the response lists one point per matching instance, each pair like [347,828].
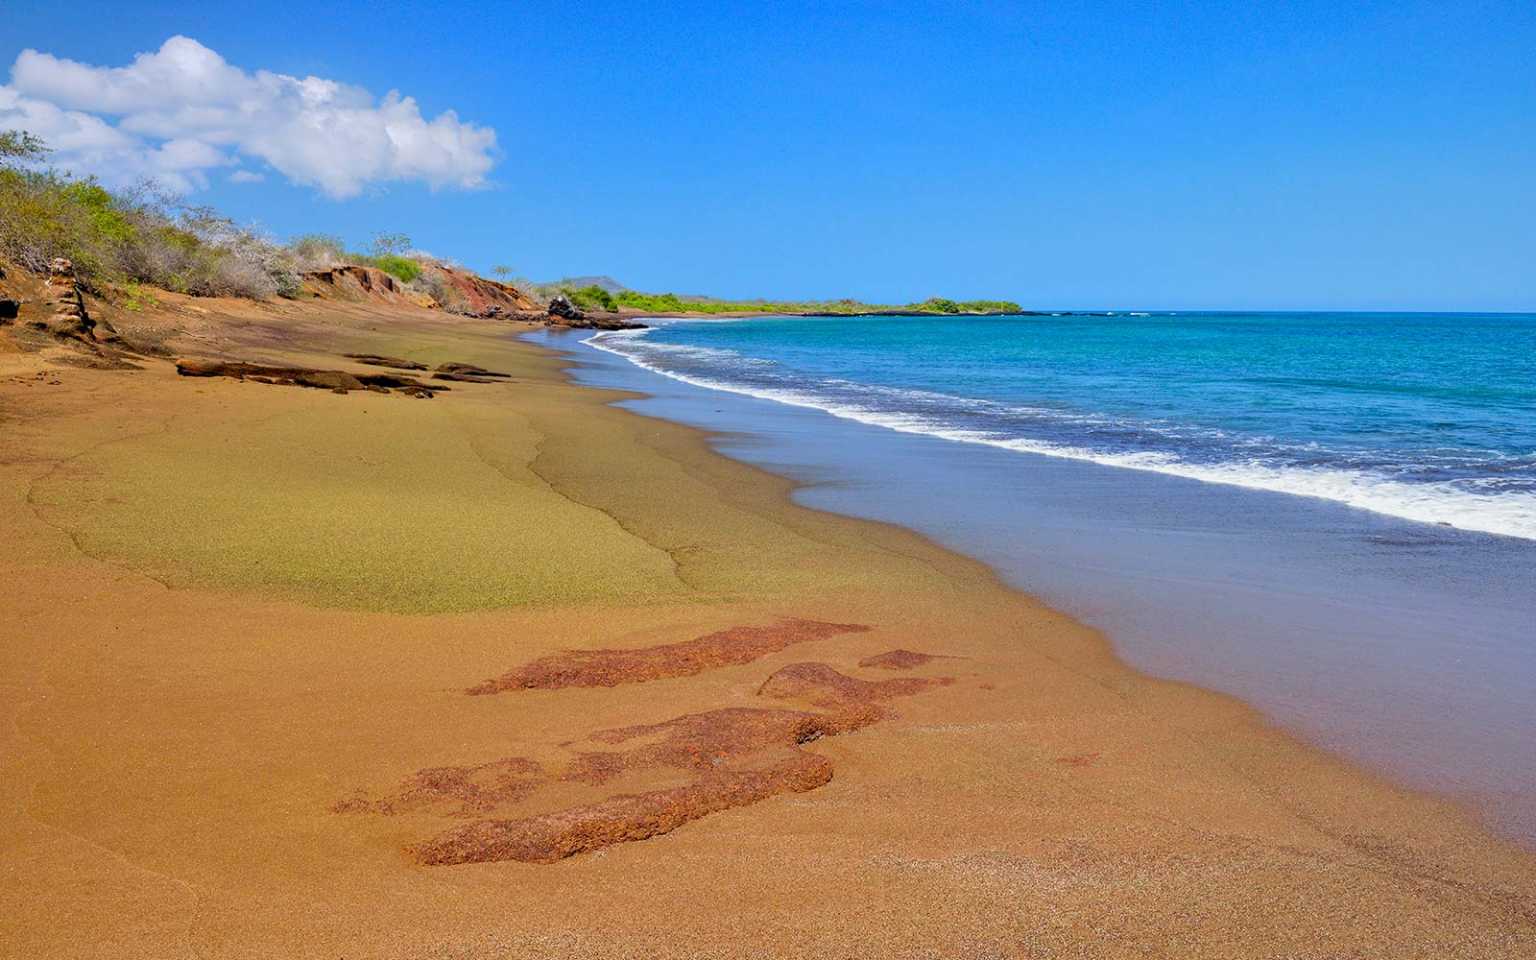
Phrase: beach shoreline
[245,617]
[1398,644]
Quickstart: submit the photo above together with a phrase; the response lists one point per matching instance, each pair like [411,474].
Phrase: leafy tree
[385,244]
[19,146]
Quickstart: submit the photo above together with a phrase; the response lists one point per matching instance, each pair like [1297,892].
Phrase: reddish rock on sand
[465,791]
[706,741]
[739,756]
[609,668]
[819,684]
[898,660]
[556,836]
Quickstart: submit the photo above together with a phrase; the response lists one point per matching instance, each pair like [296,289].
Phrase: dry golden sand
[230,610]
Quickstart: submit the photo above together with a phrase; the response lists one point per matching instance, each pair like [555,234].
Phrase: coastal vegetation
[139,237]
[128,240]
[399,266]
[941,305]
[391,253]
[134,236]
[673,303]
[591,297]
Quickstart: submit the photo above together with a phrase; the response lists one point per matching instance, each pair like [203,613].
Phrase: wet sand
[291,673]
[1400,646]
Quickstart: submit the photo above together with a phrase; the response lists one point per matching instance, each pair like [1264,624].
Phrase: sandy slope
[238,621]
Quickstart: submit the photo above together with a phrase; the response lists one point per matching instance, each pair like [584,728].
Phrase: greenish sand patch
[375,502]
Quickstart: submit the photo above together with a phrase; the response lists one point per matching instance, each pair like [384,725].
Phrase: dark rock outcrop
[68,318]
[468,373]
[597,321]
[337,381]
[561,307]
[374,360]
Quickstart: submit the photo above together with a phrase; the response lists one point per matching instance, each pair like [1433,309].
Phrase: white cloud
[182,111]
[246,176]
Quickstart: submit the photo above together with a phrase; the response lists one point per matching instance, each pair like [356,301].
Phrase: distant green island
[593,297]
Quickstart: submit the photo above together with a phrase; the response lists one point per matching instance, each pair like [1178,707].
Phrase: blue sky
[1180,155]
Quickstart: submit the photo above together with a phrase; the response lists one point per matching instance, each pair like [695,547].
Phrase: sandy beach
[512,672]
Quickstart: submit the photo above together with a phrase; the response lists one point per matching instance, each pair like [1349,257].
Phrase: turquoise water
[1426,417]
[1329,516]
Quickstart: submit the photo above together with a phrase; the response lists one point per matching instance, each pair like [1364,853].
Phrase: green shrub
[592,297]
[136,296]
[130,237]
[672,303]
[937,305]
[106,221]
[138,237]
[943,305]
[404,269]
[44,216]
[650,302]
[401,268]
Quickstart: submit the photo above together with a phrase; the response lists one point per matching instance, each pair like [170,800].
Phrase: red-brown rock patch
[899,660]
[821,685]
[555,836]
[703,741]
[456,791]
[735,756]
[609,668]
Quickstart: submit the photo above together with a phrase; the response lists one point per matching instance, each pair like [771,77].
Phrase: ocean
[1429,417]
[1331,516]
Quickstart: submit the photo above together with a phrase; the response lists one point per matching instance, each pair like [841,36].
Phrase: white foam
[1512,515]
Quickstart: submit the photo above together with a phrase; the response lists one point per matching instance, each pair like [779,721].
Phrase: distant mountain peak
[607,283]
